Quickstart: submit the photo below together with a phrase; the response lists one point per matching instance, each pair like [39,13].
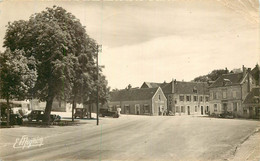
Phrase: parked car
[106,112]
[15,119]
[80,112]
[38,115]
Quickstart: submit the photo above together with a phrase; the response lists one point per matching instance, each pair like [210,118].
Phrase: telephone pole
[99,49]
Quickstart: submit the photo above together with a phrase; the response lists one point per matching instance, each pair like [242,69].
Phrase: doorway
[224,107]
[201,110]
[188,110]
[137,109]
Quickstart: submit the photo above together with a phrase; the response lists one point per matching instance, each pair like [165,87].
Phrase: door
[201,111]
[137,109]
[188,110]
[160,110]
[224,107]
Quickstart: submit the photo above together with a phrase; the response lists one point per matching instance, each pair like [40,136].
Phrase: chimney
[248,80]
[226,70]
[173,85]
[244,70]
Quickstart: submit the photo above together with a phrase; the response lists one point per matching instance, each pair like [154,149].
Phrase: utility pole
[99,49]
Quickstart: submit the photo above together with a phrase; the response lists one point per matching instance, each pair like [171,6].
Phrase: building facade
[144,101]
[184,98]
[229,91]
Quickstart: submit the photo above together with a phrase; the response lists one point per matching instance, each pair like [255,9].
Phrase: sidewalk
[250,149]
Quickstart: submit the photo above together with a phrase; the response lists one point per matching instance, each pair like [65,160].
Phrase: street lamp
[99,49]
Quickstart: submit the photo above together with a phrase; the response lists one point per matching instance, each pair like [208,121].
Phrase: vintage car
[15,119]
[80,112]
[105,112]
[38,115]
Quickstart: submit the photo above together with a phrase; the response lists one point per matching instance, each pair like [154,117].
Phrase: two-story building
[229,91]
[252,100]
[144,101]
[184,98]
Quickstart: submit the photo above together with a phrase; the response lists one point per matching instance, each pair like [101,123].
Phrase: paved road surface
[133,138]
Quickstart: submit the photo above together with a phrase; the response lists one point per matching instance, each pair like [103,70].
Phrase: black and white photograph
[134,80]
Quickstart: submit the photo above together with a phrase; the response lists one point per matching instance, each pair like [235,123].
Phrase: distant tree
[57,41]
[17,76]
[115,90]
[236,70]
[212,76]
[101,84]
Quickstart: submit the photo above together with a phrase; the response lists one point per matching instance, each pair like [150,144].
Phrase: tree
[17,76]
[212,76]
[55,39]
[82,80]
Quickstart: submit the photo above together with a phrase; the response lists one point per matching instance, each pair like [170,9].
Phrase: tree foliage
[212,76]
[17,76]
[63,52]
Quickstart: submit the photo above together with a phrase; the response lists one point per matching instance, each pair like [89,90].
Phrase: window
[245,111]
[195,98]
[215,107]
[146,108]
[177,109]
[214,95]
[207,99]
[224,94]
[170,99]
[211,95]
[196,109]
[234,94]
[159,97]
[182,109]
[181,98]
[201,98]
[187,98]
[234,106]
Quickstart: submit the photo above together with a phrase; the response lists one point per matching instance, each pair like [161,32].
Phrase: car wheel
[29,119]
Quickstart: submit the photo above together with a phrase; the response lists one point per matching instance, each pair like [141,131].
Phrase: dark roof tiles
[253,96]
[133,94]
[228,79]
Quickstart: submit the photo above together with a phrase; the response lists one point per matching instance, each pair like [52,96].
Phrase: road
[132,138]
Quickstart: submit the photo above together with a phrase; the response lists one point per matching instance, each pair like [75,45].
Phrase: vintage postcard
[114,80]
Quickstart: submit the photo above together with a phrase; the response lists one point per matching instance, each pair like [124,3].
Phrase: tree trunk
[48,108]
[90,111]
[73,108]
[8,112]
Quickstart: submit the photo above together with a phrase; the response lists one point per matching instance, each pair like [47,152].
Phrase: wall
[192,103]
[159,101]
[233,95]
[132,106]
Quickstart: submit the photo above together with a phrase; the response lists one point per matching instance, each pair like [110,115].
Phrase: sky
[157,41]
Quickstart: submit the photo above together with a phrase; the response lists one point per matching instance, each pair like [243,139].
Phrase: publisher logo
[26,142]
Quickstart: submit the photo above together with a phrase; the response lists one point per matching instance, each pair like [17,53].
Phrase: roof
[133,94]
[181,87]
[255,72]
[252,96]
[228,80]
[152,85]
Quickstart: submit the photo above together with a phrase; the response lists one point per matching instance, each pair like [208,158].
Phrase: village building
[146,101]
[184,98]
[252,101]
[229,91]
